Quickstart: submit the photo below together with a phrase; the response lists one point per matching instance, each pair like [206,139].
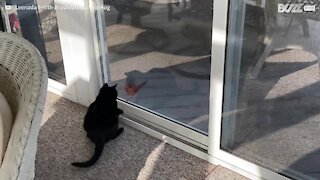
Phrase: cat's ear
[115,86]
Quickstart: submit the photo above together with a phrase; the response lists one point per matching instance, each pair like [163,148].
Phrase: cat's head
[107,92]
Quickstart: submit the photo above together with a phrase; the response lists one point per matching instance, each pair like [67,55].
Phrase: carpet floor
[133,155]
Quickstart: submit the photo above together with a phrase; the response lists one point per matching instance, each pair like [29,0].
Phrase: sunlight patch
[289,56]
[151,162]
[294,82]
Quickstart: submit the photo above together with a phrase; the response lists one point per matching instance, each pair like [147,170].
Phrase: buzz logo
[295,8]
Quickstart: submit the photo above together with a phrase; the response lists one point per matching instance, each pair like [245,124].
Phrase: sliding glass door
[159,54]
[271,102]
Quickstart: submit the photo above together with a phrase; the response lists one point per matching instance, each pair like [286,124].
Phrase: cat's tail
[97,153]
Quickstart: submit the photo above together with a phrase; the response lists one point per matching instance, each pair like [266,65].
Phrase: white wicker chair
[23,82]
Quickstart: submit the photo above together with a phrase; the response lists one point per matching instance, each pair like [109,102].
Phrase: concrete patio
[134,155]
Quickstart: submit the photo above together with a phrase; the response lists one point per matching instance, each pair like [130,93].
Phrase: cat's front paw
[118,132]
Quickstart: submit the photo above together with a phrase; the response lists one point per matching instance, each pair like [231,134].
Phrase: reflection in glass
[41,29]
[159,54]
[49,27]
[271,112]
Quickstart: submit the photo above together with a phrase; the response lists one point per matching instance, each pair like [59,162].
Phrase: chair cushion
[6,121]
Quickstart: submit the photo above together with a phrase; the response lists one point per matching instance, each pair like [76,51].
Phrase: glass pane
[159,54]
[271,112]
[41,29]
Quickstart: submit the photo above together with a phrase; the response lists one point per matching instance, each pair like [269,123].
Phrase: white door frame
[219,44]
[77,31]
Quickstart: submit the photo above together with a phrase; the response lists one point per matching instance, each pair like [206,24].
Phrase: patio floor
[133,155]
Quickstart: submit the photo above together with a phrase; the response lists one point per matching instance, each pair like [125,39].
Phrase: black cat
[101,122]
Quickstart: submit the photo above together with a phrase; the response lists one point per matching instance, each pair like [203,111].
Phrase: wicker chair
[23,82]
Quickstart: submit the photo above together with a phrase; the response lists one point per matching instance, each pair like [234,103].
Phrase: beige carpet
[133,155]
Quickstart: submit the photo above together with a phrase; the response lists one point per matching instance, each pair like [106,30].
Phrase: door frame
[78,39]
[219,49]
